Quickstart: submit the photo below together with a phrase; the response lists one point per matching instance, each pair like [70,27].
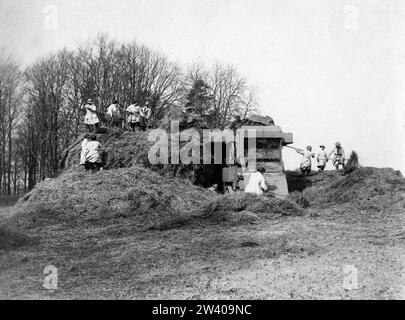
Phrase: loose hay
[221,207]
[128,149]
[237,208]
[133,193]
[366,188]
[298,198]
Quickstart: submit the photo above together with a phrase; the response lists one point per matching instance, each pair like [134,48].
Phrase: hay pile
[299,199]
[237,208]
[365,188]
[122,149]
[136,193]
[144,198]
[127,149]
[265,206]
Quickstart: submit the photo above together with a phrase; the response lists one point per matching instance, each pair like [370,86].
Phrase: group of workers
[137,117]
[322,158]
[257,185]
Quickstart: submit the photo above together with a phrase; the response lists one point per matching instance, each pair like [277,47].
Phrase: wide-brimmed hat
[321,146]
[337,144]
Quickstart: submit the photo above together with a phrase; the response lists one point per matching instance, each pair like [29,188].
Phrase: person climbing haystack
[83,152]
[352,164]
[92,154]
[338,156]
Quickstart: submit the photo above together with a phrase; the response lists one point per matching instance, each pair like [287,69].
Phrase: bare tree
[10,99]
[228,93]
[56,86]
[249,103]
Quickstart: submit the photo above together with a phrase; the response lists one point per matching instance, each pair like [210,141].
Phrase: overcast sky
[325,70]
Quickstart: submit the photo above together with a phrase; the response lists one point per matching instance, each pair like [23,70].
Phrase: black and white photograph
[202,151]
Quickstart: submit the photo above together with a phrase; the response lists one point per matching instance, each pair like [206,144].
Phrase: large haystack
[128,149]
[140,196]
[122,150]
[135,193]
[365,188]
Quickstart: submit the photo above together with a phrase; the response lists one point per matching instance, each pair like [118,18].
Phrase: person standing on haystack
[146,114]
[91,119]
[134,116]
[113,115]
[338,156]
[83,152]
[322,158]
[256,183]
[92,154]
[306,162]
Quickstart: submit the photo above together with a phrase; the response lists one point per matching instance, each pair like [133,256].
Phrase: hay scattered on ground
[237,208]
[265,206]
[298,198]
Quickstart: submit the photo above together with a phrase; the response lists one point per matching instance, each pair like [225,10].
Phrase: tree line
[40,105]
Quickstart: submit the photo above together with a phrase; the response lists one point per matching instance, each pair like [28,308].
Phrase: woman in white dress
[91,119]
[322,158]
[134,116]
[83,152]
[306,163]
[256,183]
[92,154]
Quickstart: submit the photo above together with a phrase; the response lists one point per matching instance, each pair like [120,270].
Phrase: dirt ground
[289,258]
[269,257]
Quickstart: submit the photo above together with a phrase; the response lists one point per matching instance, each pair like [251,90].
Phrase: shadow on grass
[297,182]
[10,239]
[6,201]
